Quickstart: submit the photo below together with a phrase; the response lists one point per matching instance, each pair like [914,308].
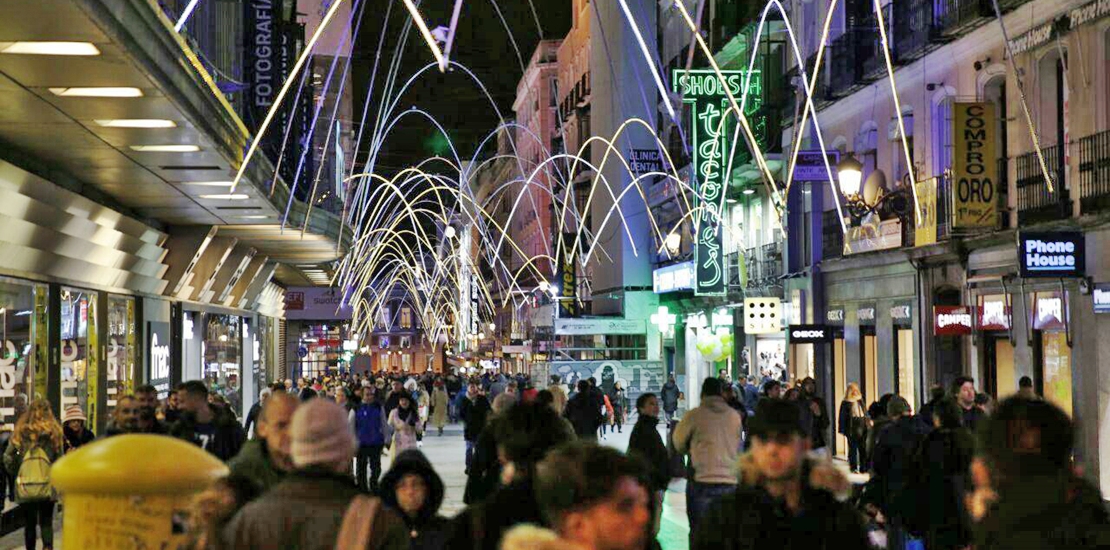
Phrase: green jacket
[254,463]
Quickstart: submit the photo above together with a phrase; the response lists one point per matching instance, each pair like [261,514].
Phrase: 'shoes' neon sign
[705,91]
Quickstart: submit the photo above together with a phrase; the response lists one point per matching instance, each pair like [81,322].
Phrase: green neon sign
[707,94]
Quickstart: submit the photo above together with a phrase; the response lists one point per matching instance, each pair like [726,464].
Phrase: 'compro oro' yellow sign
[974,167]
[117,522]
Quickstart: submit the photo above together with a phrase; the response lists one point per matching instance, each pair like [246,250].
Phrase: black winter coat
[226,440]
[584,414]
[646,443]
[1045,513]
[750,519]
[474,414]
[894,460]
[943,480]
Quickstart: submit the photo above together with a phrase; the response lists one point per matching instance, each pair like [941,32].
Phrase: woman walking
[406,424]
[35,444]
[852,424]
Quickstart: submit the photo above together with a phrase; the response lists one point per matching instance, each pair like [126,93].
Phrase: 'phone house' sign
[1061,254]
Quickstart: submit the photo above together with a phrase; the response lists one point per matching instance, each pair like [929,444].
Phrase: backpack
[32,482]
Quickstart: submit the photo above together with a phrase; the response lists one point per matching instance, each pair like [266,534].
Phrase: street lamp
[863,198]
[545,286]
[674,241]
[449,232]
[850,173]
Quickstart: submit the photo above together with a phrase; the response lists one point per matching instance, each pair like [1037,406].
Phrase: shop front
[213,353]
[122,350]
[79,360]
[995,338]
[317,326]
[23,337]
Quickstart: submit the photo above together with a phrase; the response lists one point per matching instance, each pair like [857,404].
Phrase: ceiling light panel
[136,123]
[49,48]
[102,91]
[226,197]
[165,148]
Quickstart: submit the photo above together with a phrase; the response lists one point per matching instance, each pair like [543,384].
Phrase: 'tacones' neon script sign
[707,95]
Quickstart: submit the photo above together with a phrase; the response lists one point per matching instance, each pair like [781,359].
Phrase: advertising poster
[925,232]
[974,167]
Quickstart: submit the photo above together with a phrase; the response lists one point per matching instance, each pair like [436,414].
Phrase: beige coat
[439,407]
[711,435]
[560,396]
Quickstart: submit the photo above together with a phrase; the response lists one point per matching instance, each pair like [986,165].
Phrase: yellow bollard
[131,492]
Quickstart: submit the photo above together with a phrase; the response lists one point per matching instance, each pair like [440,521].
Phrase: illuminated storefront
[23,333]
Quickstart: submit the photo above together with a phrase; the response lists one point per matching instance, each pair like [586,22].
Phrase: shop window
[406,362]
[121,349]
[406,341]
[406,317]
[22,345]
[223,357]
[78,357]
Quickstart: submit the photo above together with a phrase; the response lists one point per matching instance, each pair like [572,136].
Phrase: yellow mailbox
[131,491]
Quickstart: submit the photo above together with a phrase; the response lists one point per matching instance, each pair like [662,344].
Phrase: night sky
[481,43]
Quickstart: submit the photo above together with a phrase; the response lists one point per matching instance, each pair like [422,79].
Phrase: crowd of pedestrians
[962,473]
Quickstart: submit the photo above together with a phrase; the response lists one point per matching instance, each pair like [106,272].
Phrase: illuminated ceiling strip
[427,34]
[284,90]
[649,60]
[898,110]
[185,15]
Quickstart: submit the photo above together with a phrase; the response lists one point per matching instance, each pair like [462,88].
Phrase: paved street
[446,455]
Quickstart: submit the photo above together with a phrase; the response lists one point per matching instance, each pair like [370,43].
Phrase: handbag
[358,523]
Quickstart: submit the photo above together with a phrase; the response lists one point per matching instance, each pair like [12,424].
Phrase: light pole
[863,198]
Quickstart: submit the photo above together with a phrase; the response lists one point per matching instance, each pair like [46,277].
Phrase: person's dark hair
[1025,382]
[580,475]
[959,383]
[1025,437]
[948,412]
[195,388]
[641,401]
[593,381]
[897,406]
[526,432]
[146,388]
[792,394]
[936,393]
[771,385]
[775,417]
[554,378]
[583,386]
[711,387]
[545,397]
[307,394]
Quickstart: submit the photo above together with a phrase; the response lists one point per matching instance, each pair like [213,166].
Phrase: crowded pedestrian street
[554,274]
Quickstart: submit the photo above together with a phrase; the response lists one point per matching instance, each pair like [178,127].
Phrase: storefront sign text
[902,312]
[315,304]
[994,314]
[673,278]
[951,320]
[1090,12]
[866,315]
[1036,36]
[645,161]
[566,277]
[1101,295]
[835,315]
[762,315]
[158,356]
[811,166]
[587,327]
[7,384]
[1060,254]
[975,169]
[809,334]
[1050,312]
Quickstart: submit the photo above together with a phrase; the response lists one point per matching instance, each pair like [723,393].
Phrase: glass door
[22,328]
[121,349]
[78,355]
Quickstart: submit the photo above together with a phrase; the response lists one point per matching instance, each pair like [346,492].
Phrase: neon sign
[705,92]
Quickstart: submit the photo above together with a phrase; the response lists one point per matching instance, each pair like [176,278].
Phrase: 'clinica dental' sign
[1058,254]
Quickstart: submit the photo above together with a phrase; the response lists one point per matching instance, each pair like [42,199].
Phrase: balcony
[845,69]
[914,28]
[954,17]
[1094,171]
[1035,202]
[871,60]
[764,265]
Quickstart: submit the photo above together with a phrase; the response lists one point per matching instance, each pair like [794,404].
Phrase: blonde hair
[38,426]
[853,393]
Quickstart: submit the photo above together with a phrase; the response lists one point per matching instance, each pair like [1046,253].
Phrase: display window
[78,354]
[22,344]
[320,349]
[121,349]
[223,358]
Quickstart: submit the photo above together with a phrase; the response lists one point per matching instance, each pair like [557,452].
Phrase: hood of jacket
[413,461]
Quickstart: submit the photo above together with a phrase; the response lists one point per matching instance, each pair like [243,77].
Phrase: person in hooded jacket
[583,412]
[414,489]
[73,426]
[669,395]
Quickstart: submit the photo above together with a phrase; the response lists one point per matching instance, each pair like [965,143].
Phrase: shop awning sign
[673,278]
[600,326]
[835,315]
[994,314]
[1052,254]
[951,320]
[809,334]
[762,315]
[1050,312]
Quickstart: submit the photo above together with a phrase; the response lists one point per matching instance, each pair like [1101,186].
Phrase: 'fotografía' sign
[809,334]
[1060,254]
[951,320]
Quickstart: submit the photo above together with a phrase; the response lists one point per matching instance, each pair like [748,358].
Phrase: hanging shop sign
[975,171]
[809,334]
[902,313]
[566,279]
[994,313]
[762,315]
[158,357]
[707,93]
[1101,296]
[866,315]
[925,226]
[589,327]
[645,161]
[1050,310]
[869,237]
[673,278]
[811,166]
[951,320]
[1055,254]
[835,315]
[315,303]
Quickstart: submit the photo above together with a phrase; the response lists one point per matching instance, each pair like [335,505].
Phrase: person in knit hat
[73,427]
[305,510]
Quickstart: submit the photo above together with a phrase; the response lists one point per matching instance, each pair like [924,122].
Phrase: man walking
[646,443]
[583,412]
[893,466]
[265,459]
[214,430]
[964,390]
[370,426]
[474,411]
[669,395]
[710,433]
